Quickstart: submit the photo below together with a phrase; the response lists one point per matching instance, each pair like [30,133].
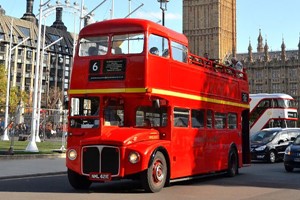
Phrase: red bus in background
[143,107]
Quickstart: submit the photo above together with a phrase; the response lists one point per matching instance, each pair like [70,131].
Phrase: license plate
[100,176]
[297,159]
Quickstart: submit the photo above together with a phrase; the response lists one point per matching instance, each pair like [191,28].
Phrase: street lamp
[163,7]
[5,135]
[32,147]
[38,69]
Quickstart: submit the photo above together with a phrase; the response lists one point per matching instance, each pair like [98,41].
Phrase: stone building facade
[57,59]
[210,26]
[272,71]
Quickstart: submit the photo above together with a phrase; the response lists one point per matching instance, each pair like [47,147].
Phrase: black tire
[78,182]
[272,157]
[288,168]
[154,178]
[233,167]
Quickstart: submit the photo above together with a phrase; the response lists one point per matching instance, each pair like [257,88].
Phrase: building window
[293,75]
[294,89]
[2,47]
[258,88]
[275,75]
[29,54]
[276,88]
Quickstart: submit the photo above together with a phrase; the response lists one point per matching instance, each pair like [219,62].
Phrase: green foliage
[16,95]
[3,80]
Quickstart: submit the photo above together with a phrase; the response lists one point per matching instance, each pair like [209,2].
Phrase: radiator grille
[102,159]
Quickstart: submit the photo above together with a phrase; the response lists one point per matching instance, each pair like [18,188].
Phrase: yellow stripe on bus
[110,90]
[157,91]
[198,98]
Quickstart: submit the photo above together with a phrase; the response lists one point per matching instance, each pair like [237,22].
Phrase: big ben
[210,26]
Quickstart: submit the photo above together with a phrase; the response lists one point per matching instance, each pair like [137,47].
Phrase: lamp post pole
[32,147]
[163,7]
[5,135]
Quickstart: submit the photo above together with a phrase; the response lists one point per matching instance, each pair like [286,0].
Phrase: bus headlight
[134,157]
[72,154]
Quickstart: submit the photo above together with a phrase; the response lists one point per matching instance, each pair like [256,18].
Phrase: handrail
[215,66]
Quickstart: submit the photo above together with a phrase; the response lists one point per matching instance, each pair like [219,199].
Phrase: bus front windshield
[130,43]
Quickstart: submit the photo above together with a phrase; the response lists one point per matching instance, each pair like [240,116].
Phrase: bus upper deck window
[158,46]
[127,44]
[179,52]
[93,46]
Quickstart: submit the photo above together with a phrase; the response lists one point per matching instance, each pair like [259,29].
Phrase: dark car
[292,156]
[270,144]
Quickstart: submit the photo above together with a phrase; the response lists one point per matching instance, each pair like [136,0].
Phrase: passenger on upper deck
[236,64]
[147,123]
[92,51]
[206,56]
[154,51]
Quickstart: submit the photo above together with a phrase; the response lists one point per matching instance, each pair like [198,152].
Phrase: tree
[53,96]
[3,81]
[16,95]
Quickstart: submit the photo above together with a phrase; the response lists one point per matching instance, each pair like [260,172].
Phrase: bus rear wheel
[154,178]
[232,163]
[78,181]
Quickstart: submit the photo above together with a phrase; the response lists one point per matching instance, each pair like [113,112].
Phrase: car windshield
[297,141]
[264,136]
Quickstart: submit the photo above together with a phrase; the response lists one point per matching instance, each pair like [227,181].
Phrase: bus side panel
[157,68]
[188,152]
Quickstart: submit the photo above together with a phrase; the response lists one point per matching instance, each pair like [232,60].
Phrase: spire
[299,48]
[283,54]
[266,51]
[250,51]
[29,16]
[260,43]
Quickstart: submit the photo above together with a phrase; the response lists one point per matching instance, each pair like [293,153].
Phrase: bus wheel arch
[233,161]
[157,175]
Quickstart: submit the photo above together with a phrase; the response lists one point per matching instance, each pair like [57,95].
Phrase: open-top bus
[272,110]
[143,107]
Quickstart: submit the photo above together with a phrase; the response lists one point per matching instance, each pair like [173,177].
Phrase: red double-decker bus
[143,107]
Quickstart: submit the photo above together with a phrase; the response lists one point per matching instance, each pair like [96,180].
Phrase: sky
[277,19]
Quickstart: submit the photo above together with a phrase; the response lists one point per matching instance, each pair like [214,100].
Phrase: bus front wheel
[154,178]
[232,163]
[78,181]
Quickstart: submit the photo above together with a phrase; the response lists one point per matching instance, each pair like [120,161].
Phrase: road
[261,181]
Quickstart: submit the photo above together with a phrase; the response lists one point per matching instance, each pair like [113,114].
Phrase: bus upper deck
[122,61]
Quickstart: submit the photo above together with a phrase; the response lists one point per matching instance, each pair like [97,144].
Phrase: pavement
[20,166]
